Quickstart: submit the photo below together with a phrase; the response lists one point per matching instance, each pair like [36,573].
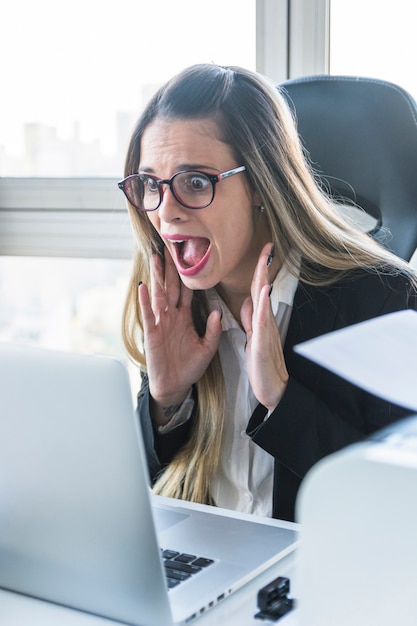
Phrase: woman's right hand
[176,356]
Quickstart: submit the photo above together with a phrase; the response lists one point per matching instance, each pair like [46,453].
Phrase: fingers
[148,317]
[172,283]
[165,283]
[263,310]
[166,289]
[246,313]
[213,330]
[159,301]
[261,276]
[256,310]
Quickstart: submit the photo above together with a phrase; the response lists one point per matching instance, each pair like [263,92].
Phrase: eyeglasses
[191,188]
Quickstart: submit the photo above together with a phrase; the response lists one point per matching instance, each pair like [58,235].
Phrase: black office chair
[361,135]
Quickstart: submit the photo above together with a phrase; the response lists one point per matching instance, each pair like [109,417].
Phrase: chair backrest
[361,136]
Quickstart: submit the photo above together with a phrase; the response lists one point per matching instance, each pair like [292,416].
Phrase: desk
[236,610]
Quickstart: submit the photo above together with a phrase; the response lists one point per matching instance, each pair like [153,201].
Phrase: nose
[170,210]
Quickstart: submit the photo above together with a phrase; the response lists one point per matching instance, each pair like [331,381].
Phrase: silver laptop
[78,524]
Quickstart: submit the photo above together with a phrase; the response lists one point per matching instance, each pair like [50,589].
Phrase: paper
[379,355]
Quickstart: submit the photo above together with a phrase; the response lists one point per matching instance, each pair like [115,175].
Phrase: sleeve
[160,447]
[182,414]
[304,428]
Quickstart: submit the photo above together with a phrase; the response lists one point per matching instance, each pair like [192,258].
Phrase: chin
[198,283]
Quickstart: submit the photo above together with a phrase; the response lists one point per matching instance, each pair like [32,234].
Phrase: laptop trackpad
[165,519]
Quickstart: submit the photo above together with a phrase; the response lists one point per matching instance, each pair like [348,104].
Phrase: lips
[191,253]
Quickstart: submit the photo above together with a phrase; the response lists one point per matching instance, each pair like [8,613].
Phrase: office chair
[361,136]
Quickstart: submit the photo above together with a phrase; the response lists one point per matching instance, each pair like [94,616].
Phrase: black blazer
[319,412]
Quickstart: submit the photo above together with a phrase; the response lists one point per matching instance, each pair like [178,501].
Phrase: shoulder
[353,298]
[383,284]
[387,278]
[361,294]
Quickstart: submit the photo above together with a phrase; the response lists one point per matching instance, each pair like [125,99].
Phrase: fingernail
[271,256]
[270,290]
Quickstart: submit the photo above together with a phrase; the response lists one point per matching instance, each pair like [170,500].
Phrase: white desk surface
[237,610]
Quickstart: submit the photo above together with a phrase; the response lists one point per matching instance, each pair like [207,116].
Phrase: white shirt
[244,480]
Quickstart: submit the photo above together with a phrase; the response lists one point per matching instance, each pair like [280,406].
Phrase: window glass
[65,304]
[374,39]
[75,75]
[68,304]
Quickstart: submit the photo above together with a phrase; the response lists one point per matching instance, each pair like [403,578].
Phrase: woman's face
[217,245]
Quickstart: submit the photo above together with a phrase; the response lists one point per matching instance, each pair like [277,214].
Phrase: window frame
[64,217]
[87,217]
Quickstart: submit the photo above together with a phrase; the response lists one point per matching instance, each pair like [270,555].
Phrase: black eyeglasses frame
[213,178]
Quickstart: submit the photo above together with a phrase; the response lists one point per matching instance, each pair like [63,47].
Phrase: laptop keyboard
[180,566]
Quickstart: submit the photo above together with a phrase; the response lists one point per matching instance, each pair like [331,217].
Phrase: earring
[261,209]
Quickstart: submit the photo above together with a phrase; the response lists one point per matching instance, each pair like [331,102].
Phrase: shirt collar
[283,290]
[215,301]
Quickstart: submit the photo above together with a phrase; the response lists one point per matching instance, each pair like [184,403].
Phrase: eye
[150,186]
[195,182]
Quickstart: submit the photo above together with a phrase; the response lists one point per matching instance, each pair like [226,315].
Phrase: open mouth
[190,252]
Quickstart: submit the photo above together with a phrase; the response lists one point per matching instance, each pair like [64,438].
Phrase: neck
[235,294]
[233,298]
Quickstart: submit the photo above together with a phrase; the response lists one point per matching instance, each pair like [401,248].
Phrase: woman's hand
[176,356]
[265,362]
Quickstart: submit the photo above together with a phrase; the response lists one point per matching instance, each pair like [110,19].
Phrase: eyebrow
[181,167]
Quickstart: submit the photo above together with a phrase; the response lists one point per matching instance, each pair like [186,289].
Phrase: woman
[240,256]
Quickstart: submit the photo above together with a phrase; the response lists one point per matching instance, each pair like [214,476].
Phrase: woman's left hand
[265,362]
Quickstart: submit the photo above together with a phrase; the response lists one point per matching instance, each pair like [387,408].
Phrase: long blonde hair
[254,120]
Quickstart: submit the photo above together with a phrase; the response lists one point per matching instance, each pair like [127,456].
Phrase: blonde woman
[240,256]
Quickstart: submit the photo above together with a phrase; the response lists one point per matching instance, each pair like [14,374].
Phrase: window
[374,39]
[77,74]
[76,78]
[68,304]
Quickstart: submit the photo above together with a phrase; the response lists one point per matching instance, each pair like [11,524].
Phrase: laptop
[78,523]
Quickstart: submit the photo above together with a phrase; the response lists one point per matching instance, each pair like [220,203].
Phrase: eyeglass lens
[192,189]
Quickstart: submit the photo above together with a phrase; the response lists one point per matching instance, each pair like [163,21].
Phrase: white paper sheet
[379,355]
